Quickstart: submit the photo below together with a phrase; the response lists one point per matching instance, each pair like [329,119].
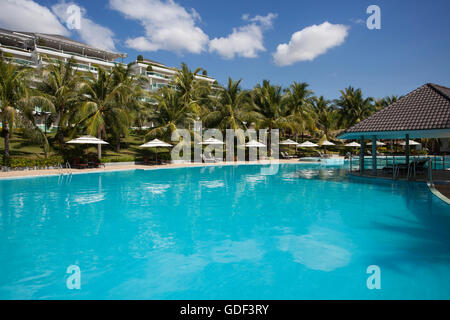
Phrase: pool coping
[26,174]
[431,187]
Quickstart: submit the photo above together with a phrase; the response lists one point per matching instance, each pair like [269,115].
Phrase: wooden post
[374,155]
[407,149]
[361,156]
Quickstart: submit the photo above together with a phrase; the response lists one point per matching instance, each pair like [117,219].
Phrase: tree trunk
[118,145]
[99,147]
[6,136]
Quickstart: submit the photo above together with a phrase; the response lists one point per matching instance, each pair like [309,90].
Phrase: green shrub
[19,162]
[118,159]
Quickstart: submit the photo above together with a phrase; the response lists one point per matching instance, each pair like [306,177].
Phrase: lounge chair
[78,165]
[285,155]
[322,155]
[208,158]
[96,163]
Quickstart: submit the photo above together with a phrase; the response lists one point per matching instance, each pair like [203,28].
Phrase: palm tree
[59,85]
[170,114]
[192,91]
[132,100]
[27,117]
[267,101]
[298,104]
[232,108]
[103,105]
[353,107]
[13,88]
[386,101]
[326,118]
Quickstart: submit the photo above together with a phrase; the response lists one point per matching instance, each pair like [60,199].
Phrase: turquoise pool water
[227,232]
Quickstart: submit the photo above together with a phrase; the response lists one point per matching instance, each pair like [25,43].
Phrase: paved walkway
[119,167]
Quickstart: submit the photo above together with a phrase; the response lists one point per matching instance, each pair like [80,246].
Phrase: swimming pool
[308,232]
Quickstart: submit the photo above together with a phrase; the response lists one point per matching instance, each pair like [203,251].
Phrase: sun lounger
[285,155]
[208,158]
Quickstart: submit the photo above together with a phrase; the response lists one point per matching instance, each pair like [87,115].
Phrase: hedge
[19,162]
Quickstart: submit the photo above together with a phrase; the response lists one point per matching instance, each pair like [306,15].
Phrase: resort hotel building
[37,50]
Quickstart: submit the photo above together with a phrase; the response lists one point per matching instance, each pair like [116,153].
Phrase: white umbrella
[379,143]
[254,144]
[327,143]
[353,144]
[87,140]
[212,141]
[411,143]
[308,144]
[156,144]
[289,142]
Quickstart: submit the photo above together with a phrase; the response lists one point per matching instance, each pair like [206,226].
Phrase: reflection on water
[201,233]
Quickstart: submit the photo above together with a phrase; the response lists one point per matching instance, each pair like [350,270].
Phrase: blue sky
[410,49]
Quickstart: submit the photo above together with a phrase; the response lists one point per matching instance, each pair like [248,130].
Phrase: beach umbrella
[255,144]
[212,142]
[411,143]
[88,140]
[325,144]
[308,144]
[353,144]
[156,144]
[289,142]
[379,143]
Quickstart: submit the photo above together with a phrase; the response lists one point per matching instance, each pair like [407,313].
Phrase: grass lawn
[129,151]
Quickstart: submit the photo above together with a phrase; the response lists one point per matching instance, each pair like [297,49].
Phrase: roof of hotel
[57,41]
[426,108]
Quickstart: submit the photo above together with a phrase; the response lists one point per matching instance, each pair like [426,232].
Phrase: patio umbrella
[353,144]
[88,140]
[255,144]
[325,144]
[411,143]
[156,144]
[379,143]
[289,142]
[212,142]
[307,144]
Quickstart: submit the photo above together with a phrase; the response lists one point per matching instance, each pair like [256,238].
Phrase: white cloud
[168,26]
[246,41]
[358,21]
[27,15]
[90,32]
[310,42]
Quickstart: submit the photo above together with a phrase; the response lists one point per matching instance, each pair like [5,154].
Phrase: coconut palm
[193,92]
[27,117]
[267,101]
[232,108]
[298,105]
[103,105]
[170,114]
[386,101]
[13,88]
[59,84]
[326,118]
[353,107]
[132,100]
